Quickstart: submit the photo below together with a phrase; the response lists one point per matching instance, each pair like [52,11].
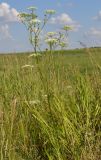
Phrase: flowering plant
[34,25]
[59,39]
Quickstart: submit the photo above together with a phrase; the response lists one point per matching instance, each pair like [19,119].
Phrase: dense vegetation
[51,109]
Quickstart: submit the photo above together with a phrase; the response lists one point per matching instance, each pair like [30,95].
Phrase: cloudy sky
[83,15]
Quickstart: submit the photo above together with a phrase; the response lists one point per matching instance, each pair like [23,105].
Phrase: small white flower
[32,8]
[27,65]
[35,55]
[45,96]
[51,40]
[34,102]
[67,28]
[62,44]
[50,11]
[23,15]
[51,33]
[35,21]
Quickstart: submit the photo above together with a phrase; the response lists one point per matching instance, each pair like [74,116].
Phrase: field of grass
[51,109]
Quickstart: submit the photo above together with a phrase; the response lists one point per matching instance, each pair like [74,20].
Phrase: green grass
[53,110]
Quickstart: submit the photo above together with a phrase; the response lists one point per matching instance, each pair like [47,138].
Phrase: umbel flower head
[35,21]
[24,15]
[32,8]
[50,11]
[51,34]
[67,28]
[63,44]
[51,40]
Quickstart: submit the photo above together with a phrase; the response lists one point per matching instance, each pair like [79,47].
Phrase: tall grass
[53,110]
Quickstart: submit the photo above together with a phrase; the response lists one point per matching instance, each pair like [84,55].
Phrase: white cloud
[8,14]
[94,32]
[62,19]
[98,17]
[65,19]
[4,32]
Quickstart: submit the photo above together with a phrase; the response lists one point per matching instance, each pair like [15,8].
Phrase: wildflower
[62,44]
[67,28]
[32,8]
[51,33]
[50,11]
[51,40]
[45,96]
[34,102]
[27,65]
[23,16]
[35,21]
[35,55]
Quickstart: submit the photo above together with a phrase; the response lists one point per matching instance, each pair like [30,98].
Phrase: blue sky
[84,15]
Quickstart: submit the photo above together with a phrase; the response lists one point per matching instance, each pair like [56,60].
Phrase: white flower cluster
[35,55]
[63,44]
[67,28]
[51,40]
[32,8]
[35,21]
[50,11]
[51,33]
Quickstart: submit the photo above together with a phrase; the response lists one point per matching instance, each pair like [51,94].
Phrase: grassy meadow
[50,106]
